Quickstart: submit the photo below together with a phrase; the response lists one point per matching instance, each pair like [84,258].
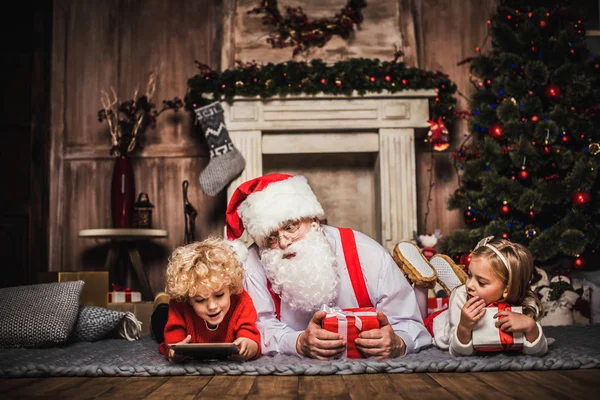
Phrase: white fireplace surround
[380,123]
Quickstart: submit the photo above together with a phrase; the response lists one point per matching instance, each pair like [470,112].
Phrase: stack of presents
[96,292]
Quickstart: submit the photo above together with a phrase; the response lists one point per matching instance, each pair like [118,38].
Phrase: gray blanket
[575,347]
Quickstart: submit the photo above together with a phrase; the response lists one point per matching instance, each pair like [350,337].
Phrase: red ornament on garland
[505,209]
[578,262]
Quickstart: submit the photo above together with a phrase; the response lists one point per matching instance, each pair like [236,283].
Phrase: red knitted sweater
[240,321]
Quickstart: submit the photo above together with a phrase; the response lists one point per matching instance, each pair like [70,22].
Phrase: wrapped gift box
[435,304]
[349,322]
[94,290]
[124,296]
[486,337]
[141,310]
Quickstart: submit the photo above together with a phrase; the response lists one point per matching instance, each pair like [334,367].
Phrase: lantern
[142,212]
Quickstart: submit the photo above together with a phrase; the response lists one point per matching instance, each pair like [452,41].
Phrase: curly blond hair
[518,275]
[202,268]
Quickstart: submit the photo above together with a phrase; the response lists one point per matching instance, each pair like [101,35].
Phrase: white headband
[484,242]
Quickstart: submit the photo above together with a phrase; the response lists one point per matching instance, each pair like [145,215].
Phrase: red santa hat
[263,204]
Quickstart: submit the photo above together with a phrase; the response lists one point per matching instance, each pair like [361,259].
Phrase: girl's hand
[171,356]
[509,321]
[248,348]
[471,312]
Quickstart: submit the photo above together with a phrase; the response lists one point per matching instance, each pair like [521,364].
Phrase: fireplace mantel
[382,123]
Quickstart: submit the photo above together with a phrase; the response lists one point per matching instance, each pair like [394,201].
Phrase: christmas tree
[528,169]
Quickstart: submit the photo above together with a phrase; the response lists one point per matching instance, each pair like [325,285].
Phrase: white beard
[308,280]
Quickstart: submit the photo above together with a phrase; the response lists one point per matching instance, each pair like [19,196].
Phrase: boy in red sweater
[208,303]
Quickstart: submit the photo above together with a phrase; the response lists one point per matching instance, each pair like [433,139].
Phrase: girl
[208,303]
[499,272]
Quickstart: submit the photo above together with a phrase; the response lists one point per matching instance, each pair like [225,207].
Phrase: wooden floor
[574,384]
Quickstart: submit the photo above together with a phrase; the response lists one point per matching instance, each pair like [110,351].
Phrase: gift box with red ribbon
[349,322]
[486,337]
[435,304]
[123,295]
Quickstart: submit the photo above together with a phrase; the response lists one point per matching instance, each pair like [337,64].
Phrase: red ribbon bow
[118,288]
[506,338]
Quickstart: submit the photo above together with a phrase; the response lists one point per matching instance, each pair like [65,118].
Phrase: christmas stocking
[226,163]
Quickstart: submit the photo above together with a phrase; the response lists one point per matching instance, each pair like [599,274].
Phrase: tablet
[205,351]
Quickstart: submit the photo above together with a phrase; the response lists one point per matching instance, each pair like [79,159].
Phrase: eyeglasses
[291,233]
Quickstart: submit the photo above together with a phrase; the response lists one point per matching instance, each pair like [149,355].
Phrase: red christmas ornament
[546,150]
[523,174]
[578,263]
[531,214]
[465,259]
[438,134]
[470,217]
[505,209]
[505,235]
[553,92]
[496,131]
[581,198]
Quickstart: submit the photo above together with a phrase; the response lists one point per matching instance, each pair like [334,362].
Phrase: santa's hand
[316,342]
[174,357]
[381,343]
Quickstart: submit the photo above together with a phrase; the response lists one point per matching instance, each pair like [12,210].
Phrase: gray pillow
[38,315]
[95,323]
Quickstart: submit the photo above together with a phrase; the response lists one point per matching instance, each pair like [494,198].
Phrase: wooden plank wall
[117,43]
[449,32]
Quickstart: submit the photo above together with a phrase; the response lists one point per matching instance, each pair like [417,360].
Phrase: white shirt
[389,292]
[446,323]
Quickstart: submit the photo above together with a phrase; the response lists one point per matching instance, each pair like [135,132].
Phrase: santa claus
[296,265]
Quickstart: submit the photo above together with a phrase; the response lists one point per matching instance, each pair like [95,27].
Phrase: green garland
[360,75]
[296,30]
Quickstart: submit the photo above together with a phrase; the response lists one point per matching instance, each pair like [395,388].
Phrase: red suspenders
[354,271]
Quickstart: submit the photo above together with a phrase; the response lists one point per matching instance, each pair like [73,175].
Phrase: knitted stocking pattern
[226,163]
